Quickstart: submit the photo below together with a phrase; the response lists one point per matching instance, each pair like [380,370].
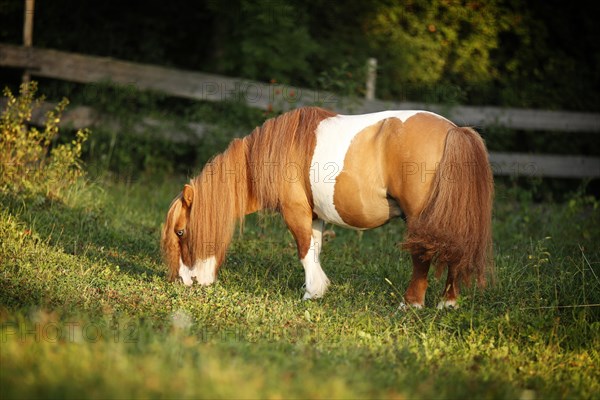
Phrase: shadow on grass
[264,259]
[89,232]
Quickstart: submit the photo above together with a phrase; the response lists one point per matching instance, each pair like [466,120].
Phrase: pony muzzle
[204,272]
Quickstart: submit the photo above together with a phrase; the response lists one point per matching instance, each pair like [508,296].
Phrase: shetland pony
[356,171]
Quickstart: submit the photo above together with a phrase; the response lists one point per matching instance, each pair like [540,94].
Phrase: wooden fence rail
[200,86]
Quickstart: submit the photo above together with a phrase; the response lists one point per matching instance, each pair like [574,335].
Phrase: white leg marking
[205,271]
[316,280]
[447,304]
[185,273]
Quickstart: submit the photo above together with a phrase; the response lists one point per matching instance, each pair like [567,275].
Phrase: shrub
[31,160]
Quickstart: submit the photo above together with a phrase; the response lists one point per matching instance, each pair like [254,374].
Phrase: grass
[86,311]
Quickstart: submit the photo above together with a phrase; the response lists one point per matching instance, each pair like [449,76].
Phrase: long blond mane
[251,174]
[281,152]
[219,201]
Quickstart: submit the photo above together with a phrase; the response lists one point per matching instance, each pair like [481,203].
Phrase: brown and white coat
[355,171]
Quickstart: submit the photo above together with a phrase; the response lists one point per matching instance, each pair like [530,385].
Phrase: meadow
[86,310]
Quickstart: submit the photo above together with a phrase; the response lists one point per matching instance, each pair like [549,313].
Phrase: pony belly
[346,176]
[356,206]
[326,210]
[367,213]
[334,137]
[335,219]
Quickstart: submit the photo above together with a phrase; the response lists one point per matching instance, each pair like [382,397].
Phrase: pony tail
[454,227]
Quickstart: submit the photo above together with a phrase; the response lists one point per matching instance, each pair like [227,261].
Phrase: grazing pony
[356,171]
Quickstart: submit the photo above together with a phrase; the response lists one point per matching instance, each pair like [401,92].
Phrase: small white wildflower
[181,320]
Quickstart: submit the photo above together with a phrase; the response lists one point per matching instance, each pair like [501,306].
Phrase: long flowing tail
[454,227]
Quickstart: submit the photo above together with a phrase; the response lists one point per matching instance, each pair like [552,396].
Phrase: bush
[30,159]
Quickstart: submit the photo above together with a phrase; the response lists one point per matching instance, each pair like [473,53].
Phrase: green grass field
[86,311]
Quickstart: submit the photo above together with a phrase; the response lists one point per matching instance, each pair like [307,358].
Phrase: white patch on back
[334,136]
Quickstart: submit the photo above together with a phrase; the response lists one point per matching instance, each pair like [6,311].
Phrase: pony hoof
[403,306]
[313,296]
[447,304]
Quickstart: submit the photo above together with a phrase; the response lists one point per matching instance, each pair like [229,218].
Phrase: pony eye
[179,233]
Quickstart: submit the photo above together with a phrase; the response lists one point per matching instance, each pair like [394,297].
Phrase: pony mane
[218,202]
[251,174]
[280,152]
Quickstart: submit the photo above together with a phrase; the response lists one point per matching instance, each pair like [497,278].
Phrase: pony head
[175,238]
[201,219]
[185,245]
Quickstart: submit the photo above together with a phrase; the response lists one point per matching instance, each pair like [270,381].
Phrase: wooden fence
[208,87]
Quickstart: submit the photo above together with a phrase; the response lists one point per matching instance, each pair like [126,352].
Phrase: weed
[29,159]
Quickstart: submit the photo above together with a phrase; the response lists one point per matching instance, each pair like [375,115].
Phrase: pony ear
[188,195]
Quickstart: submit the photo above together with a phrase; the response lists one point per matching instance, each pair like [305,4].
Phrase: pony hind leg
[415,293]
[451,290]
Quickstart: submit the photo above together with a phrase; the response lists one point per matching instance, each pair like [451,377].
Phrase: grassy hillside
[86,310]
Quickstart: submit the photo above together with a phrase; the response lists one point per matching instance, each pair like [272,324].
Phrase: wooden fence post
[371,78]
[28,32]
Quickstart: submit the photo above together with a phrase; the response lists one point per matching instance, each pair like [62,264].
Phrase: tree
[423,43]
[261,40]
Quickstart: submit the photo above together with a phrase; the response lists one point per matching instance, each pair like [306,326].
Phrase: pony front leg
[415,293]
[315,278]
[309,238]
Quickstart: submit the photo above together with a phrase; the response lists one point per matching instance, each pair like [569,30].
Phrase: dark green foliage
[261,40]
[503,52]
